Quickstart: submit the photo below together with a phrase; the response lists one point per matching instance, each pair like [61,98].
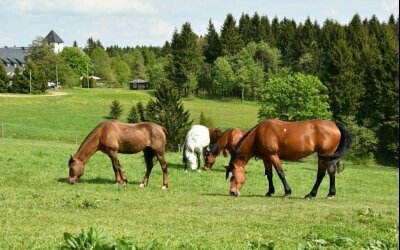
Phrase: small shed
[139,84]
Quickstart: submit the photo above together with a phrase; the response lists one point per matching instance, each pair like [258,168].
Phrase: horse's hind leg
[268,173]
[148,157]
[278,167]
[332,187]
[320,175]
[163,163]
[119,173]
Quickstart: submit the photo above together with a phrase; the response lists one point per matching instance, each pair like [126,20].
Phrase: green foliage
[133,116]
[3,79]
[212,48]
[230,37]
[364,140]
[186,58]
[102,65]
[134,59]
[292,97]
[88,82]
[121,69]
[168,111]
[115,110]
[223,75]
[77,60]
[142,111]
[260,244]
[95,239]
[19,83]
[205,120]
[315,241]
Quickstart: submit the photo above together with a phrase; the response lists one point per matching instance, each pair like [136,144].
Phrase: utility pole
[30,81]
[56,77]
[87,76]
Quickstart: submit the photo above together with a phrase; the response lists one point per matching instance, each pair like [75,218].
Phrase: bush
[364,140]
[133,116]
[205,120]
[115,110]
[293,97]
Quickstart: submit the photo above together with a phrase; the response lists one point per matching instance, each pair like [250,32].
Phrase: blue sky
[151,22]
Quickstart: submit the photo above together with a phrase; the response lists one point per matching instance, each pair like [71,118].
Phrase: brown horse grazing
[274,140]
[227,143]
[112,137]
[215,134]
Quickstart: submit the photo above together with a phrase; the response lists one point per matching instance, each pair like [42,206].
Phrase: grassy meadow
[37,206]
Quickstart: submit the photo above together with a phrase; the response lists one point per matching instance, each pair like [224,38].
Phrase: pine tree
[186,60]
[265,29]
[133,116]
[244,29]
[212,48]
[205,120]
[168,111]
[230,37]
[115,110]
[142,112]
[256,35]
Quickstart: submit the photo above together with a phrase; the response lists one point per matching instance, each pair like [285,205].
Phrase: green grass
[70,118]
[37,206]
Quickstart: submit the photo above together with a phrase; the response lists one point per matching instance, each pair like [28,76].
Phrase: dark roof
[139,81]
[52,37]
[13,52]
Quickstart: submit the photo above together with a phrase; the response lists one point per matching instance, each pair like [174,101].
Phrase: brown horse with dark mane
[112,137]
[274,140]
[227,143]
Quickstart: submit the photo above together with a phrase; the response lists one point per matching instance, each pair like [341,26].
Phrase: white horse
[196,144]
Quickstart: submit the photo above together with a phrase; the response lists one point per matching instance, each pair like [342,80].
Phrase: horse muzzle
[72,180]
[234,193]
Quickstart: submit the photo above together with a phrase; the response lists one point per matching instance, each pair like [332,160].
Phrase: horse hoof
[142,185]
[269,194]
[164,187]
[330,196]
[309,197]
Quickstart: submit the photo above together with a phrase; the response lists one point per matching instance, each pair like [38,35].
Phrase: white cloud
[390,6]
[158,27]
[89,7]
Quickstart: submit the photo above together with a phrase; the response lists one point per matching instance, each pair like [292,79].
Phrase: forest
[346,72]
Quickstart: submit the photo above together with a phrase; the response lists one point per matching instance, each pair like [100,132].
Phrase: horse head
[235,173]
[209,160]
[76,169]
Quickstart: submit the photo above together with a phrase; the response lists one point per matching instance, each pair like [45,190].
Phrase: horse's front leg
[278,167]
[268,173]
[320,175]
[119,173]
[198,155]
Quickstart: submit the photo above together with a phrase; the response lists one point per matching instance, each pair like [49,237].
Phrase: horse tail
[344,144]
[164,130]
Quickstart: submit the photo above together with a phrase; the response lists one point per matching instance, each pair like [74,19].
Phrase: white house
[55,41]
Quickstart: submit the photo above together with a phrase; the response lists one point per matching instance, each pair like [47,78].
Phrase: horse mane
[92,132]
[235,152]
